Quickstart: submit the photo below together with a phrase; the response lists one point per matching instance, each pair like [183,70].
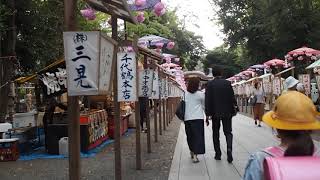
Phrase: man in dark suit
[220,104]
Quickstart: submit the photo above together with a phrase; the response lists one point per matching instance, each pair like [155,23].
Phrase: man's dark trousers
[227,129]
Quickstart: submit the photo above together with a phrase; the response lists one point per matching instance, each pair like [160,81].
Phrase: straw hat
[291,82]
[293,111]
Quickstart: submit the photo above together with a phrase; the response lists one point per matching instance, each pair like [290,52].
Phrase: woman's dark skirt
[195,135]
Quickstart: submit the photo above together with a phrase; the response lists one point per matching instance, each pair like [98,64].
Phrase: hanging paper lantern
[159,9]
[140,17]
[300,58]
[130,49]
[170,45]
[313,58]
[160,13]
[290,58]
[159,6]
[88,13]
[140,3]
[177,59]
[295,55]
[308,54]
[159,45]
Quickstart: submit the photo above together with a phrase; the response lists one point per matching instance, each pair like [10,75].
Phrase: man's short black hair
[216,71]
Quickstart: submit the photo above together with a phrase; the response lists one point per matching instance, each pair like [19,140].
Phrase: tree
[189,47]
[269,28]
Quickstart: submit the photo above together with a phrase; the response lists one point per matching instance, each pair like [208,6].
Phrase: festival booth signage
[146,83]
[54,80]
[155,86]
[305,80]
[88,56]
[127,75]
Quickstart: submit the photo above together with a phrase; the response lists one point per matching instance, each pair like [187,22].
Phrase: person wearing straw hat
[293,117]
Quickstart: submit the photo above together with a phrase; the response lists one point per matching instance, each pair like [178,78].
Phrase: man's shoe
[230,158]
[217,157]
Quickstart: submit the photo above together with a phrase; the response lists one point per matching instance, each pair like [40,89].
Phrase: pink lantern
[309,54]
[170,45]
[140,17]
[313,58]
[159,6]
[300,58]
[295,55]
[159,45]
[88,13]
[177,59]
[140,3]
[290,58]
[130,49]
[160,13]
[159,9]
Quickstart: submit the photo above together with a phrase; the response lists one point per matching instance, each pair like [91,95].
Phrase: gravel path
[156,165]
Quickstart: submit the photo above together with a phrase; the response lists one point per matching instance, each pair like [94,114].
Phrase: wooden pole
[70,7]
[117,140]
[145,64]
[164,114]
[160,114]
[155,116]
[138,135]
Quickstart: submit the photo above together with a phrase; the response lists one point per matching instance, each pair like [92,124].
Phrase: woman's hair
[193,84]
[299,142]
[256,85]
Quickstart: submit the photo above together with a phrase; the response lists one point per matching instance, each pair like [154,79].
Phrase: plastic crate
[9,149]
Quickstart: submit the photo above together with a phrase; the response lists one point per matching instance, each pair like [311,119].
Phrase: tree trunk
[8,49]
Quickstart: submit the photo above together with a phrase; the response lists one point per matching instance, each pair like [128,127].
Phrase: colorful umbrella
[152,40]
[258,66]
[302,54]
[275,62]
[169,65]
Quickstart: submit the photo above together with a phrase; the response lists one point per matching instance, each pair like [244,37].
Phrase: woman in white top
[258,108]
[194,118]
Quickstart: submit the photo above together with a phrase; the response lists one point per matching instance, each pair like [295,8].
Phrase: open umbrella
[152,40]
[258,66]
[275,62]
[169,65]
[302,53]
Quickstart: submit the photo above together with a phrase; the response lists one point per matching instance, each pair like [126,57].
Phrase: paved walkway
[247,139]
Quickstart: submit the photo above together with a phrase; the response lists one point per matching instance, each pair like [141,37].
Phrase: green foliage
[189,47]
[224,59]
[269,28]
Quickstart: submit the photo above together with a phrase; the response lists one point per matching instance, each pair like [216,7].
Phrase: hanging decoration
[140,17]
[88,13]
[170,45]
[159,9]
[140,3]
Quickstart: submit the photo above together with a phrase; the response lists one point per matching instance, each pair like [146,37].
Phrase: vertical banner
[170,89]
[276,86]
[105,68]
[267,85]
[318,81]
[82,61]
[305,80]
[155,86]
[145,82]
[127,76]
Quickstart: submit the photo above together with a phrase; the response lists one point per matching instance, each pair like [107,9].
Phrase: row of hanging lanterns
[158,9]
